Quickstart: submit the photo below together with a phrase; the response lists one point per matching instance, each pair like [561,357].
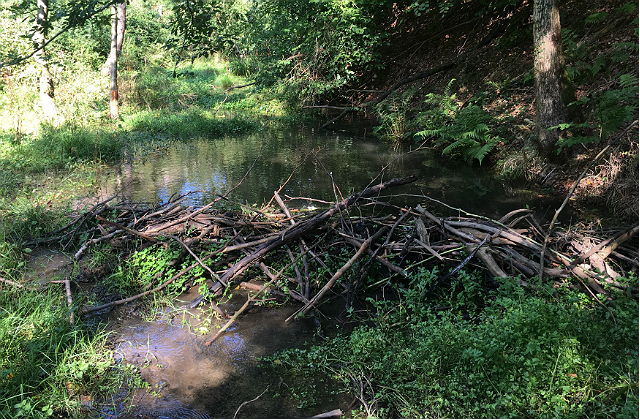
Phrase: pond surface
[307,160]
[191,380]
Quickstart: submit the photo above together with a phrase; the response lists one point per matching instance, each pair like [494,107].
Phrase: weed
[508,354]
[46,364]
[462,132]
[392,113]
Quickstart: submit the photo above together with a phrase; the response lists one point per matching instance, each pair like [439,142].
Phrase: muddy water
[192,380]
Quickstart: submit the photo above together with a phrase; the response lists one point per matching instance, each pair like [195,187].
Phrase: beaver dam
[344,250]
[256,239]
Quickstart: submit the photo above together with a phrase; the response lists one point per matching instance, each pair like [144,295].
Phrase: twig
[202,264]
[238,87]
[458,268]
[16,284]
[90,242]
[249,300]
[162,286]
[339,117]
[329,414]
[83,216]
[126,229]
[337,275]
[247,402]
[67,287]
[573,188]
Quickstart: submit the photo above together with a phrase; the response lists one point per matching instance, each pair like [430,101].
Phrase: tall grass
[48,367]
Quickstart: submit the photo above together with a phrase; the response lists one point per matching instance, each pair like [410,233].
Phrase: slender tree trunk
[49,108]
[552,86]
[113,67]
[122,22]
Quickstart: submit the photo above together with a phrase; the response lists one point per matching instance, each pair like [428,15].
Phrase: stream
[191,380]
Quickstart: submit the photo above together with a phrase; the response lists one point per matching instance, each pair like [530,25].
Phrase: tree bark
[553,89]
[120,30]
[113,65]
[122,23]
[49,108]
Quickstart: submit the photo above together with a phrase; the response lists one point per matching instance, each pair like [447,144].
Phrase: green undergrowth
[469,354]
[50,368]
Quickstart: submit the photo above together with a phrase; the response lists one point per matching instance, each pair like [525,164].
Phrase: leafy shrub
[607,109]
[610,110]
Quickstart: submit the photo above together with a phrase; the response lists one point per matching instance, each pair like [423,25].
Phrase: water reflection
[312,160]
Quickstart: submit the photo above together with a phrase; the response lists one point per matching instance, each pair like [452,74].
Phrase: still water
[306,161]
[190,379]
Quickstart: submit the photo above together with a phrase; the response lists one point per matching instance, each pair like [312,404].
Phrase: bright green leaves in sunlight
[466,354]
[194,30]
[308,48]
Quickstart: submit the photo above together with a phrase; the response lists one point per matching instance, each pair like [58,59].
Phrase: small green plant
[606,110]
[46,363]
[463,353]
[611,109]
[462,132]
[392,116]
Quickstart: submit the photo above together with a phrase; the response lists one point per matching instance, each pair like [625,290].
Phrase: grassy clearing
[49,368]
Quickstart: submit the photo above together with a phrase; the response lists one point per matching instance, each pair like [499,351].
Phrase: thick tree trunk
[113,67]
[552,86]
[49,108]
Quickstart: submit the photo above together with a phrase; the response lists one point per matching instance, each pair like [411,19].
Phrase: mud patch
[45,265]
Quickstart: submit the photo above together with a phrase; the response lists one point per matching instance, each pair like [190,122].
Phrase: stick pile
[508,247]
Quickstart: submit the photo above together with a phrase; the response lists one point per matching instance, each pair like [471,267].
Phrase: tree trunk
[113,67]
[122,22]
[49,108]
[552,86]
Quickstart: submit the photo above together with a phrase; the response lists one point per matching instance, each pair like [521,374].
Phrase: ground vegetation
[480,318]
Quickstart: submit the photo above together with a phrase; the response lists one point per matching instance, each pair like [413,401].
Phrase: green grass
[47,365]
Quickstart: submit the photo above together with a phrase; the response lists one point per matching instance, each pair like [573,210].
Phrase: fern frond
[478,152]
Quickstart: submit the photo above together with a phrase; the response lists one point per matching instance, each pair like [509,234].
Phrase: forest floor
[501,74]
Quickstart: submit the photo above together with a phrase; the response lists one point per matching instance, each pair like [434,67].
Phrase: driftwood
[337,275]
[329,414]
[573,188]
[298,230]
